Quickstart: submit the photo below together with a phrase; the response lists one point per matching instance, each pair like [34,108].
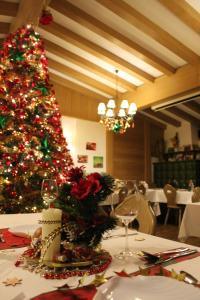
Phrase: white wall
[188,135]
[184,133]
[77,133]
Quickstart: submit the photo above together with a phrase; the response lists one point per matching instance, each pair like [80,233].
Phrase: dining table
[33,284]
[156,196]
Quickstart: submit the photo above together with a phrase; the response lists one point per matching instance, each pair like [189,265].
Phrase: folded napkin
[82,293]
[12,241]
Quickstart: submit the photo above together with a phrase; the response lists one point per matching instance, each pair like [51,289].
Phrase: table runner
[12,241]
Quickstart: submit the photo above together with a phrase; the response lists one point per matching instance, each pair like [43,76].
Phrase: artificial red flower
[94,176]
[81,189]
[85,187]
[94,179]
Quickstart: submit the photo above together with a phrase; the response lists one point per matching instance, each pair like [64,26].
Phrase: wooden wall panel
[75,104]
[128,153]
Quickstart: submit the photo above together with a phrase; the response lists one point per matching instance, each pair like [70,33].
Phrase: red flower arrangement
[80,201]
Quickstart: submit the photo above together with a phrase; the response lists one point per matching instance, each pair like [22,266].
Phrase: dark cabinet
[180,171]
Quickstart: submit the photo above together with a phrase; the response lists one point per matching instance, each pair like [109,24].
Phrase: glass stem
[126,238]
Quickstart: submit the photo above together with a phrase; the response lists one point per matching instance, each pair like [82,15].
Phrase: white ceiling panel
[102,42]
[165,19]
[129,31]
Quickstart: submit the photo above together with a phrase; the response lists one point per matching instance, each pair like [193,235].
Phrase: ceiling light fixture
[117,122]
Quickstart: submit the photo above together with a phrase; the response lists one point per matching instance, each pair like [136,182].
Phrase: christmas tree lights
[32,145]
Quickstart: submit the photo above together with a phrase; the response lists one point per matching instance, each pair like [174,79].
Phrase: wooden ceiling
[155,45]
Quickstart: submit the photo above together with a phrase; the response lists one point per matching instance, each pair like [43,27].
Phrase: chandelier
[117,122]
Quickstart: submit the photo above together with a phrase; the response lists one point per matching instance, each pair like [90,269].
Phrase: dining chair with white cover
[170,194]
[196,194]
[146,217]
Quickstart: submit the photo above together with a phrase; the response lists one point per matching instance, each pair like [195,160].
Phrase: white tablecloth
[190,225]
[157,195]
[33,284]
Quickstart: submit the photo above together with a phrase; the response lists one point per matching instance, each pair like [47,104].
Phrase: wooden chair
[170,194]
[146,217]
[196,194]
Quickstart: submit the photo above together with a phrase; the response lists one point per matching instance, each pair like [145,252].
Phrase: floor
[171,232]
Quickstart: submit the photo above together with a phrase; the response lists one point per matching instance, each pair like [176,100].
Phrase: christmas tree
[32,145]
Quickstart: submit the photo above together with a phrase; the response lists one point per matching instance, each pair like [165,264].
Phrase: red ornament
[46,17]
[21,147]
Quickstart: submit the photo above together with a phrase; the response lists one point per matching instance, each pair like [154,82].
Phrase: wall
[78,132]
[188,134]
[75,104]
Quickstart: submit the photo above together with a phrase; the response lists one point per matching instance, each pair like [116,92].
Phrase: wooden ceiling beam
[76,87]
[29,12]
[132,16]
[183,115]
[194,106]
[4,27]
[152,120]
[81,77]
[110,34]
[185,81]
[8,8]
[163,117]
[185,12]
[86,64]
[83,43]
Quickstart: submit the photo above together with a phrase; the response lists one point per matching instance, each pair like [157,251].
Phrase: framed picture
[91,146]
[98,161]
[82,158]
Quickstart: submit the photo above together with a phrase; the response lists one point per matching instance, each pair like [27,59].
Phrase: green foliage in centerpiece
[80,201]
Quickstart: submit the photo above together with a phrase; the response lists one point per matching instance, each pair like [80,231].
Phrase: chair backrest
[142,189]
[170,194]
[196,194]
[123,192]
[146,217]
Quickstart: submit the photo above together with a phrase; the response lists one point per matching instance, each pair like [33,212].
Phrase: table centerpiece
[68,241]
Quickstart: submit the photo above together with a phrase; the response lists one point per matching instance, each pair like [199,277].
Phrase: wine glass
[49,190]
[127,212]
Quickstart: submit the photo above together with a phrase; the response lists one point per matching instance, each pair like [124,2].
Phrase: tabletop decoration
[12,281]
[68,243]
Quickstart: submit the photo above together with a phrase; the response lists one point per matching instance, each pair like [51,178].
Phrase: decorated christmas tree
[32,145]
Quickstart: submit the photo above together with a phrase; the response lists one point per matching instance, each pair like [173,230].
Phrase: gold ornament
[99,279]
[12,281]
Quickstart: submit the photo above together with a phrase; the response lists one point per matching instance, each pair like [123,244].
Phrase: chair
[123,192]
[170,194]
[146,217]
[142,189]
[196,194]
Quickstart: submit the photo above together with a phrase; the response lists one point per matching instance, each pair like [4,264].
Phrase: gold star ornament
[12,281]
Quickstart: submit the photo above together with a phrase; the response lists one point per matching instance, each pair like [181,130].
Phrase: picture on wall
[91,146]
[82,158]
[98,161]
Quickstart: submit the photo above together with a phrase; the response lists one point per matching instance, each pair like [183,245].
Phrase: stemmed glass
[49,190]
[126,212]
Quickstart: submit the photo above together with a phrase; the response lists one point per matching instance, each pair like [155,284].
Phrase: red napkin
[12,241]
[82,293]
